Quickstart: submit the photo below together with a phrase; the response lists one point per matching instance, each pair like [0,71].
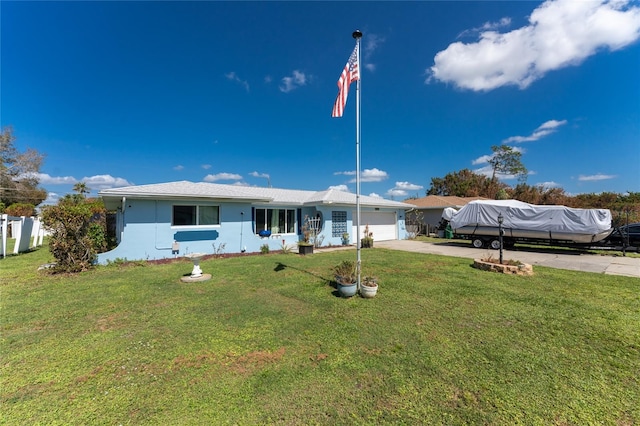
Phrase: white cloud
[343,188]
[52,199]
[371,44]
[549,185]
[484,159]
[222,176]
[234,77]
[347,173]
[260,175]
[296,80]
[408,186]
[99,182]
[206,166]
[596,177]
[487,26]
[45,179]
[397,193]
[560,33]
[402,189]
[372,175]
[374,195]
[488,172]
[178,167]
[543,130]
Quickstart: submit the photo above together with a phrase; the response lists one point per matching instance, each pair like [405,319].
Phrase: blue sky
[124,93]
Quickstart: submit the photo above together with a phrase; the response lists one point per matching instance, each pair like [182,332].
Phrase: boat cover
[519,215]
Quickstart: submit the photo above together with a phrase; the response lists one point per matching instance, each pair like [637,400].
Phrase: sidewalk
[611,265]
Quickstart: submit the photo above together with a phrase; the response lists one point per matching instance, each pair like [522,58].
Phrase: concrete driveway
[612,265]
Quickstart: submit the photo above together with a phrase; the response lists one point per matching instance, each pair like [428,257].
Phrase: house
[432,207]
[172,219]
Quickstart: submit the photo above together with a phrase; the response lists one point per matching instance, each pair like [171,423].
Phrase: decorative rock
[520,269]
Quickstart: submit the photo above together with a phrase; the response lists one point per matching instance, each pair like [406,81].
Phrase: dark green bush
[78,233]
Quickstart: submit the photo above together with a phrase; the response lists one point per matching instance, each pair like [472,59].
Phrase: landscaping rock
[518,269]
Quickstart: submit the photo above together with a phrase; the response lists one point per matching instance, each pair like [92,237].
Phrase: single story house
[173,219]
[432,206]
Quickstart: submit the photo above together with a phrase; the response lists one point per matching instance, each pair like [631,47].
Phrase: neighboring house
[432,207]
[176,218]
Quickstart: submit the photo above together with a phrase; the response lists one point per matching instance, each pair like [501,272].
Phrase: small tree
[81,188]
[19,172]
[506,161]
[78,232]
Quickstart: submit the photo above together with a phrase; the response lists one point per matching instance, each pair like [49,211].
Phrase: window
[278,221]
[338,223]
[195,215]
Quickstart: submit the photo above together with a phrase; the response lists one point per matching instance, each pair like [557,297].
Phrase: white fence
[27,231]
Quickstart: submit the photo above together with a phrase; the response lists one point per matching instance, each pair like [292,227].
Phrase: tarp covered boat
[522,221]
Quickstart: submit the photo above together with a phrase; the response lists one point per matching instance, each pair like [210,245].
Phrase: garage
[382,224]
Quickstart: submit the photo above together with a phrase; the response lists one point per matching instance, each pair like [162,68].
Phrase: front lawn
[266,341]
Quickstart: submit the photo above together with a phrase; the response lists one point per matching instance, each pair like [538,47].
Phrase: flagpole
[357,34]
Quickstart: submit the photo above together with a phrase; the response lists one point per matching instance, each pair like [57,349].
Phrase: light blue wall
[147,233]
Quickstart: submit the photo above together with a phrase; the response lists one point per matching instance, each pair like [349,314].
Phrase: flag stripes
[350,73]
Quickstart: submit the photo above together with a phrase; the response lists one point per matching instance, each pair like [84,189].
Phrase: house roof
[214,191]
[442,201]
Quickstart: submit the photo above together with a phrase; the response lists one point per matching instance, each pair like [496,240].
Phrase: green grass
[266,341]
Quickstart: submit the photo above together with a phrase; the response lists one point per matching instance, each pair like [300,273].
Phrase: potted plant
[305,246]
[367,240]
[368,287]
[345,239]
[346,278]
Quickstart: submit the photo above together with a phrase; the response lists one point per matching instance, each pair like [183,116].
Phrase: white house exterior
[172,219]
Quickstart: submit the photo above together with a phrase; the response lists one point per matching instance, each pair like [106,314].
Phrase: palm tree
[81,188]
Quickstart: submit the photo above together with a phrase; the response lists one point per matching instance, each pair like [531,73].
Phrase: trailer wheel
[477,242]
[495,244]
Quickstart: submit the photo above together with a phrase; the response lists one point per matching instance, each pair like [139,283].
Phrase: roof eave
[199,197]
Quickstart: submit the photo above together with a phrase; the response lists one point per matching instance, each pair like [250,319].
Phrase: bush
[78,233]
[20,209]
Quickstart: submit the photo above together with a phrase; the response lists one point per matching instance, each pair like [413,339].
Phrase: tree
[541,195]
[81,188]
[19,173]
[463,183]
[505,161]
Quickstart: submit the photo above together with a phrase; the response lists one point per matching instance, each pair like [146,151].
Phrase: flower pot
[366,243]
[347,290]
[305,249]
[368,291]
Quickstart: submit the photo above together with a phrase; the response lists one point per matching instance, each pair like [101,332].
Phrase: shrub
[20,209]
[78,233]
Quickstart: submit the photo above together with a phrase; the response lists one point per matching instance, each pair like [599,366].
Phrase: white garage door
[382,224]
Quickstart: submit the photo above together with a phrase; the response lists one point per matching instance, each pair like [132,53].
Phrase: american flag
[350,73]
